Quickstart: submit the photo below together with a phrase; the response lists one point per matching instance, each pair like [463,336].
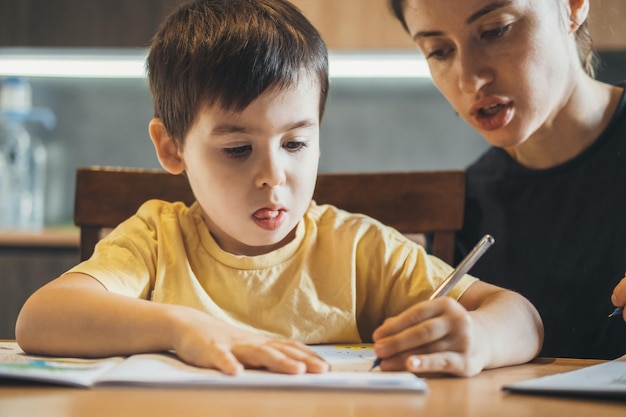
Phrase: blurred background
[387,123]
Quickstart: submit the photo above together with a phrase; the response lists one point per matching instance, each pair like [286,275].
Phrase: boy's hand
[618,298]
[209,343]
[437,336]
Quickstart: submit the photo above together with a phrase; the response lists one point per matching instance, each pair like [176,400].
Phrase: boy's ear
[579,11]
[166,148]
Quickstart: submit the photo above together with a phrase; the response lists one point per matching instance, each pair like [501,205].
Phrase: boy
[254,269]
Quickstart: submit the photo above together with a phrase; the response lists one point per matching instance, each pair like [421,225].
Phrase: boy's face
[253,172]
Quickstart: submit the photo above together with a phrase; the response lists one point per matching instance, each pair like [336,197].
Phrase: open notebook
[607,379]
[350,366]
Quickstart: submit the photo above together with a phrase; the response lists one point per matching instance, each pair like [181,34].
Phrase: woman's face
[506,66]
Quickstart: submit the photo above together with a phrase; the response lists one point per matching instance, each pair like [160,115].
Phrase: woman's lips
[492,114]
[269,219]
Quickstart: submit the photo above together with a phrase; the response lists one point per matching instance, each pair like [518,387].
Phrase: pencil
[466,264]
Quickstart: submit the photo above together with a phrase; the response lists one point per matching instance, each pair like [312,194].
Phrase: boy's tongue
[269,219]
[266,214]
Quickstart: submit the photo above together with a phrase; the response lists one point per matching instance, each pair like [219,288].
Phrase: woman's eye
[496,33]
[238,151]
[438,54]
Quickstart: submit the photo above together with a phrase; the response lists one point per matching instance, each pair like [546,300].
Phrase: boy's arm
[488,327]
[75,315]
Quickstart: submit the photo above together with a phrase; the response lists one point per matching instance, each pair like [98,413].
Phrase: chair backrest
[411,202]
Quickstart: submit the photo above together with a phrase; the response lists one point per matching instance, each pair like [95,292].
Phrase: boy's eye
[295,145]
[496,33]
[238,151]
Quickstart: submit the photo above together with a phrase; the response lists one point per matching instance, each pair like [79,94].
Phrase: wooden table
[480,396]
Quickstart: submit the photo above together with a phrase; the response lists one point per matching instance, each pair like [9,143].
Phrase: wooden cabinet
[344,24]
[368,24]
[28,262]
[607,25]
[356,24]
[81,23]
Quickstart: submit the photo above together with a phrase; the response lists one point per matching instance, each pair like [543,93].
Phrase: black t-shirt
[560,239]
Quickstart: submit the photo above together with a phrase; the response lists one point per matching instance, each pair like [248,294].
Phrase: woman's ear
[165,147]
[579,11]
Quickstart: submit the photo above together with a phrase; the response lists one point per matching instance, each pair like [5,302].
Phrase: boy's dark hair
[227,53]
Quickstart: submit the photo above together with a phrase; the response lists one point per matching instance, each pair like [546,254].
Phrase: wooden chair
[411,202]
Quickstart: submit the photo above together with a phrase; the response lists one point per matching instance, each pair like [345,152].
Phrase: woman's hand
[618,298]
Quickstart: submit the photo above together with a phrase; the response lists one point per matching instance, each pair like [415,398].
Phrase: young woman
[552,189]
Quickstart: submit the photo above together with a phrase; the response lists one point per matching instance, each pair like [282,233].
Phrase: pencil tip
[375,364]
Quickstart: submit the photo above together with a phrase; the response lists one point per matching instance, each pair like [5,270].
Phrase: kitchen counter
[49,237]
[29,260]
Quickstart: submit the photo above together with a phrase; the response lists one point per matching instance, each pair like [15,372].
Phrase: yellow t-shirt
[340,277]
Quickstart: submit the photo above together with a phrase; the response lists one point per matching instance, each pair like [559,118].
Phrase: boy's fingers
[266,356]
[414,338]
[417,314]
[281,356]
[407,318]
[443,319]
[313,362]
[220,358]
[441,362]
[398,362]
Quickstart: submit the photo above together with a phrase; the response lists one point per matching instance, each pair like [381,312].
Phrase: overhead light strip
[87,64]
[71,64]
[378,65]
